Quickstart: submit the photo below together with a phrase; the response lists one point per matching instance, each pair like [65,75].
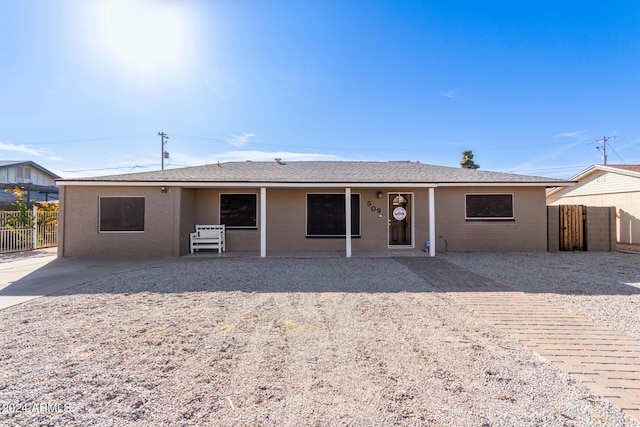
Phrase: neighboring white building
[606,185]
[31,177]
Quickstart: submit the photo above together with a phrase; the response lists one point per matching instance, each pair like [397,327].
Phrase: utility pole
[163,154]
[603,142]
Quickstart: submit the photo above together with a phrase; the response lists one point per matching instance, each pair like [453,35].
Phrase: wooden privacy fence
[581,228]
[572,233]
[33,230]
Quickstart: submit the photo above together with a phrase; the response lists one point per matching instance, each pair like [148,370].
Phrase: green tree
[467,160]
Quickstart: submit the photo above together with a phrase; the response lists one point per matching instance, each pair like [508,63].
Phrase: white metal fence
[31,230]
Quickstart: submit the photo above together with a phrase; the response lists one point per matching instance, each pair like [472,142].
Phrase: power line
[549,169]
[621,159]
[110,140]
[113,168]
[427,147]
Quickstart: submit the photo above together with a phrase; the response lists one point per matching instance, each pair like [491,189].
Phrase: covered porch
[284,220]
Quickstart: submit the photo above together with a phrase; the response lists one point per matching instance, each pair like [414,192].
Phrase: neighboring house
[270,207]
[607,185]
[38,182]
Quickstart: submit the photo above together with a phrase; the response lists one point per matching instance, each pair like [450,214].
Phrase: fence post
[35,227]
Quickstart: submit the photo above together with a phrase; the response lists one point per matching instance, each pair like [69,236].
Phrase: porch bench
[207,237]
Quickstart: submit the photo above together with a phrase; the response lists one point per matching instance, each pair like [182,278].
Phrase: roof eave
[34,164]
[591,170]
[620,171]
[283,184]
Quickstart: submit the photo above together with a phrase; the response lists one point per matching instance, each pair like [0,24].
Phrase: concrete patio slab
[32,274]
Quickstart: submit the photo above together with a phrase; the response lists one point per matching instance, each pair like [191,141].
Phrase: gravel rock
[329,341]
[604,286]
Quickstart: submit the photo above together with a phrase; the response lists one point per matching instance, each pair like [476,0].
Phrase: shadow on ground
[68,276]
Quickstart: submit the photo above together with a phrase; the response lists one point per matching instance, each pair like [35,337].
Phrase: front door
[400,217]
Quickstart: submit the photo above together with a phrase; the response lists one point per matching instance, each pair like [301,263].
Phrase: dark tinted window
[239,210]
[121,213]
[326,215]
[489,206]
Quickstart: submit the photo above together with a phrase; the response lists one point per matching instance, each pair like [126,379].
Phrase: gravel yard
[328,341]
[604,286]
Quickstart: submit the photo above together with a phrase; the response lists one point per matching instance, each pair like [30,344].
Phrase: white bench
[207,237]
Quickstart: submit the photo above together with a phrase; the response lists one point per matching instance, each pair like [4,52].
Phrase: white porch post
[432,222]
[347,204]
[263,222]
[34,241]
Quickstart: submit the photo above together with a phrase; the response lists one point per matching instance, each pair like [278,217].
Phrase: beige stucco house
[607,185]
[271,207]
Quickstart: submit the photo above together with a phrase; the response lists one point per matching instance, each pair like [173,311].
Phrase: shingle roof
[321,172]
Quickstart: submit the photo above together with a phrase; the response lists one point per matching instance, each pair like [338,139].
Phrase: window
[326,215]
[121,214]
[489,206]
[239,210]
[19,172]
[27,173]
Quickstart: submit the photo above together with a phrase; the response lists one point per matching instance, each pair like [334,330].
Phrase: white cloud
[450,94]
[178,160]
[21,148]
[256,156]
[240,140]
[575,134]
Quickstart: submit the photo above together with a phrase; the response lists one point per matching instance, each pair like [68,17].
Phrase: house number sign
[399,213]
[373,208]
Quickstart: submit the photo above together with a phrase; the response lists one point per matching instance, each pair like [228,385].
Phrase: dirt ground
[282,342]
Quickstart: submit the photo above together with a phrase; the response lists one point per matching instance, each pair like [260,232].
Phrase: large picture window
[239,210]
[121,214]
[489,206]
[326,216]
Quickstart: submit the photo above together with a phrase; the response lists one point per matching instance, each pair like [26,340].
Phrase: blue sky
[527,85]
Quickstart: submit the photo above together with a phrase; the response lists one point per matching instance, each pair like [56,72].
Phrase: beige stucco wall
[206,210]
[627,211]
[528,232]
[80,237]
[604,189]
[171,216]
[553,228]
[286,219]
[600,228]
[187,218]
